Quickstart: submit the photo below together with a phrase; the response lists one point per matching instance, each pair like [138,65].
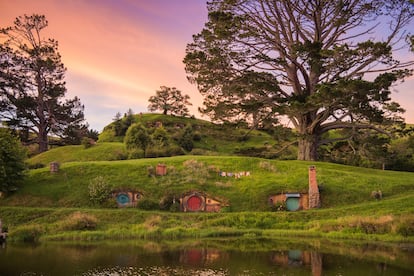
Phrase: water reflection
[207,257]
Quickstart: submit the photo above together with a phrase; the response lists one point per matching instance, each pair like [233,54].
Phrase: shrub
[86,142]
[406,227]
[137,137]
[79,221]
[12,166]
[136,154]
[186,140]
[278,206]
[148,204]
[27,233]
[168,202]
[197,136]
[99,190]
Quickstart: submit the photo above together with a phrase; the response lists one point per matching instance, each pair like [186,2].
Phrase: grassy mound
[57,205]
[340,185]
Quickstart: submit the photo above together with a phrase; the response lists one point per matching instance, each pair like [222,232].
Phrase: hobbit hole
[200,202]
[126,198]
[298,201]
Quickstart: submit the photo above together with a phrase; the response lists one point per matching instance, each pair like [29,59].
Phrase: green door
[292,203]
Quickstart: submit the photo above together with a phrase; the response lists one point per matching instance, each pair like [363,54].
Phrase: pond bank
[42,224]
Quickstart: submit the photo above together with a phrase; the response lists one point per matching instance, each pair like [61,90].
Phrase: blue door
[292,203]
[123,199]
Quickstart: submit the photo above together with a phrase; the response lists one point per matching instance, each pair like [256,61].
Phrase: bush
[99,190]
[169,202]
[137,137]
[406,227]
[278,206]
[27,233]
[136,154]
[148,204]
[12,166]
[186,140]
[86,143]
[79,221]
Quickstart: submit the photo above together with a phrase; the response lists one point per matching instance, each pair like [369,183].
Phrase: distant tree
[324,65]
[186,139]
[160,137]
[92,134]
[137,137]
[32,82]
[169,100]
[12,157]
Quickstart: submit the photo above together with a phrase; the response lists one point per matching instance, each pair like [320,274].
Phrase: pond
[207,257]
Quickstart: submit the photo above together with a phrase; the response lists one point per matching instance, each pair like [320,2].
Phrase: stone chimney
[314,197]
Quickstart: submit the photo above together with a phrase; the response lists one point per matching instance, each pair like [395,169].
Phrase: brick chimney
[314,198]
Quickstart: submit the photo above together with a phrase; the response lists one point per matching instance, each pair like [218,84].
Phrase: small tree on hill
[137,137]
[169,100]
[12,156]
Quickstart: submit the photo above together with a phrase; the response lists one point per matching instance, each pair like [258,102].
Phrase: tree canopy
[323,64]
[32,82]
[12,157]
[170,101]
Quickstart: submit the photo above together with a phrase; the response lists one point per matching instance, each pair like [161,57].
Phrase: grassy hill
[208,138]
[58,205]
[340,185]
[48,202]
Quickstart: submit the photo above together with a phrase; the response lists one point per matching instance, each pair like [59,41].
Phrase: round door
[123,199]
[194,203]
[292,203]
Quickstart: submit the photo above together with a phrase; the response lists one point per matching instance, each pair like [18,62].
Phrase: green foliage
[278,206]
[79,221]
[170,101]
[186,139]
[99,190]
[12,157]
[86,142]
[321,82]
[160,137]
[148,204]
[33,87]
[207,138]
[137,137]
[27,233]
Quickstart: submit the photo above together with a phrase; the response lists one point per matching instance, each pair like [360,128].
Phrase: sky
[119,52]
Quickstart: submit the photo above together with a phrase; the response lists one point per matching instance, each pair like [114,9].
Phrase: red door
[194,203]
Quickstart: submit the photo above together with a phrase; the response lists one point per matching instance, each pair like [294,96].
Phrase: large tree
[12,157]
[32,82]
[324,64]
[170,100]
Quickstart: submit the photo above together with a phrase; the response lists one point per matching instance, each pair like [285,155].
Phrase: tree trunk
[308,147]
[43,141]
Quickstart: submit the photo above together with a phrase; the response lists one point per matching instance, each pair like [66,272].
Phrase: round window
[122,199]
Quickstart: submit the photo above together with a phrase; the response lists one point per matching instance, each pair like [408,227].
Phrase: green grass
[341,185]
[57,205]
[101,151]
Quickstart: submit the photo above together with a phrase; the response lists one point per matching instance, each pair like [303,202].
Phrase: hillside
[340,185]
[208,138]
[57,205]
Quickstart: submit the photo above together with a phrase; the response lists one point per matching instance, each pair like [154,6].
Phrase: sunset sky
[119,52]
